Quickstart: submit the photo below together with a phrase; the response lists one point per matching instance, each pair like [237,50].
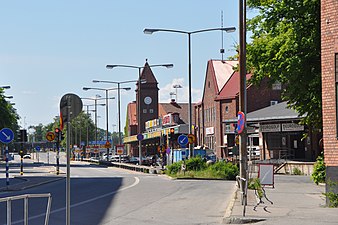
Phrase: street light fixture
[119,98]
[5,87]
[176,86]
[97,97]
[139,96]
[107,124]
[87,143]
[189,33]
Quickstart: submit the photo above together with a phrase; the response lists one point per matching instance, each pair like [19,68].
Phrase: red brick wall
[259,96]
[329,46]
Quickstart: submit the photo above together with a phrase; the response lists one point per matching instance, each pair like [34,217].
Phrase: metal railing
[25,205]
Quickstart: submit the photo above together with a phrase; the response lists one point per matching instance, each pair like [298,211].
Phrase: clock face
[147,100]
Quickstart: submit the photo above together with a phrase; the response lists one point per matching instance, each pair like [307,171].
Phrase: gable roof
[174,107]
[231,88]
[223,69]
[147,74]
[163,109]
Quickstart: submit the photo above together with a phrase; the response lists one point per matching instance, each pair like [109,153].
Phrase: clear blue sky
[51,48]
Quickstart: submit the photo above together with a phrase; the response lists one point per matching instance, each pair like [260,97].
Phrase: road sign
[107,145]
[70,103]
[167,151]
[140,137]
[240,122]
[119,149]
[6,135]
[191,138]
[50,136]
[37,148]
[183,140]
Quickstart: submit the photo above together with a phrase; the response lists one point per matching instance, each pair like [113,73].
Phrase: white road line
[137,181]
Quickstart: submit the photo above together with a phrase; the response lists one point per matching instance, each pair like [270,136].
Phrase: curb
[233,198]
[241,220]
[228,219]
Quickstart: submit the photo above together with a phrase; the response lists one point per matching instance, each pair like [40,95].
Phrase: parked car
[27,156]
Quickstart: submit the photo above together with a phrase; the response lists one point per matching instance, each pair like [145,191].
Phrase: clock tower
[146,97]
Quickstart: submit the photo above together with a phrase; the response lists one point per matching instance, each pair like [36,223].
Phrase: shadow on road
[91,199]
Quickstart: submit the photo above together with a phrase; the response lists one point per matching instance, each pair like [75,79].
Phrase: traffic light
[57,134]
[22,135]
[62,136]
[171,134]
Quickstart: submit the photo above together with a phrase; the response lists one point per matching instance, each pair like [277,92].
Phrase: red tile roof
[231,88]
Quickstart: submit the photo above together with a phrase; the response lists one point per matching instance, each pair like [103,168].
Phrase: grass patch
[197,168]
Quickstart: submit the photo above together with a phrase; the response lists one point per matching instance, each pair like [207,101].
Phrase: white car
[27,156]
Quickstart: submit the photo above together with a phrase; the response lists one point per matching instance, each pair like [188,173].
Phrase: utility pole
[242,93]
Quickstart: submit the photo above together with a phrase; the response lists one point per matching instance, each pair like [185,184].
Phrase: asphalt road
[114,196]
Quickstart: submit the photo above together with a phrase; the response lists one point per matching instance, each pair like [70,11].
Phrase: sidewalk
[32,176]
[296,200]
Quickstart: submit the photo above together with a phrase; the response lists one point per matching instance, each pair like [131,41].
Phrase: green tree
[286,47]
[8,116]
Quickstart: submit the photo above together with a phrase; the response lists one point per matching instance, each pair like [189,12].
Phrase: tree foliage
[8,116]
[286,47]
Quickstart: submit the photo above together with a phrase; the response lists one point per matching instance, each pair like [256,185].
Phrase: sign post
[6,136]
[70,106]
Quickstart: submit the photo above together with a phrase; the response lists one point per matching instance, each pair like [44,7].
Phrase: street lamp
[139,96]
[118,99]
[5,87]
[87,143]
[107,124]
[176,86]
[97,97]
[189,33]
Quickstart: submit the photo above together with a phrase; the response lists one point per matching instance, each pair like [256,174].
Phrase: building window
[226,109]
[151,110]
[336,74]
[273,102]
[144,110]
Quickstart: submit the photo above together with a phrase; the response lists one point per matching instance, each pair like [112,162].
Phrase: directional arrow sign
[183,140]
[6,135]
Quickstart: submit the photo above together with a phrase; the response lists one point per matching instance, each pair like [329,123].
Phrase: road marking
[137,181]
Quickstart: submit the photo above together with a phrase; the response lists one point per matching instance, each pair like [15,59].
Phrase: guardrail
[25,198]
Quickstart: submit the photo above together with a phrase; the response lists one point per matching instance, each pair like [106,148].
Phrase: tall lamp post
[87,111]
[189,33]
[139,97]
[97,97]
[107,122]
[118,99]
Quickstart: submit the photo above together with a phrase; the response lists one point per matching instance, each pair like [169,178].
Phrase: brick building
[155,118]
[329,60]
[220,102]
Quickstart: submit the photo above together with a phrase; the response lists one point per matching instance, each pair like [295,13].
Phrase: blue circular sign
[240,122]
[140,137]
[6,135]
[183,140]
[37,148]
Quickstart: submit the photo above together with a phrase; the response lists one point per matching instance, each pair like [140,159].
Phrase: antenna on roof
[222,49]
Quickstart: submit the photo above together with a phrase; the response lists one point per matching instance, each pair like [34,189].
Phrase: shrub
[195,164]
[224,170]
[174,168]
[331,195]
[255,184]
[319,173]
[297,171]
